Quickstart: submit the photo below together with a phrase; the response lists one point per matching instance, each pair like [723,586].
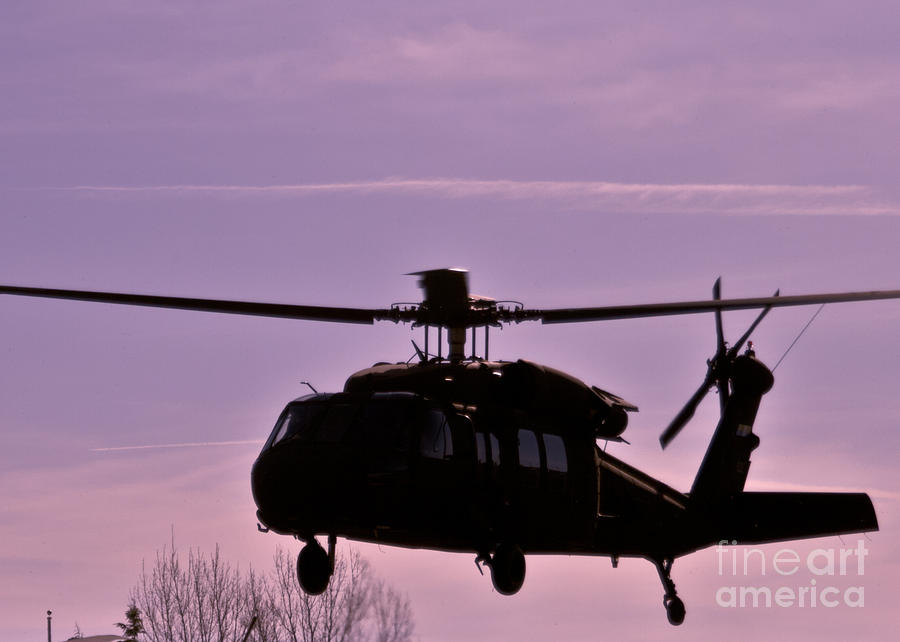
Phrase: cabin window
[436,441]
[529,453]
[555,448]
[488,449]
[495,450]
[481,447]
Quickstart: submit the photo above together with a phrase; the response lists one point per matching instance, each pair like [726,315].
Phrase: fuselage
[450,456]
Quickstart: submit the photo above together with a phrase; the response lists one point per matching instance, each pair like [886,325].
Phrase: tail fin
[727,461]
[754,517]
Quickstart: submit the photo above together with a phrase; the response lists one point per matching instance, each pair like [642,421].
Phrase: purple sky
[584,154]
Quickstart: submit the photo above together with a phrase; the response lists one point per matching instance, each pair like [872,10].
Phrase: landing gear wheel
[674,610]
[313,568]
[674,606]
[508,569]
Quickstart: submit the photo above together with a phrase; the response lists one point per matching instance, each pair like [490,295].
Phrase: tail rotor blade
[718,373]
[684,415]
[746,335]
[720,335]
[720,345]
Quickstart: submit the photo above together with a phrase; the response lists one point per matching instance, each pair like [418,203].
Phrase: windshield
[382,422]
[297,420]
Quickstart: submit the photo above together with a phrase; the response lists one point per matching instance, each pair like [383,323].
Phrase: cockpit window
[385,423]
[436,440]
[280,428]
[336,422]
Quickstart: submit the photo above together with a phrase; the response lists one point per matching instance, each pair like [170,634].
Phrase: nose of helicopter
[302,487]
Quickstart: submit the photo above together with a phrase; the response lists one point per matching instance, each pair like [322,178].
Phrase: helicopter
[501,459]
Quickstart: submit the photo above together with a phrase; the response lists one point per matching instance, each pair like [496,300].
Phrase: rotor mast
[449,305]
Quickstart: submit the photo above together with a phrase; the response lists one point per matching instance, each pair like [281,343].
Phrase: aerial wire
[198,444]
[797,338]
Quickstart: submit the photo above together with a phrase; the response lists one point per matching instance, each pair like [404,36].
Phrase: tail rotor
[718,370]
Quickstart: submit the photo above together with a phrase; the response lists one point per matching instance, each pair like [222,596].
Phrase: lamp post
[49,617]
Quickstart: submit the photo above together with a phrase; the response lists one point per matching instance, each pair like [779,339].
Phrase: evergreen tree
[133,626]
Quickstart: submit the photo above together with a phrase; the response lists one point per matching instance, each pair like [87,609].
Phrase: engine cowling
[544,390]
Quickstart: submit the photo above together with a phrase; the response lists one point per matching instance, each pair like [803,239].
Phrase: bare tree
[392,614]
[210,600]
[257,601]
[340,614]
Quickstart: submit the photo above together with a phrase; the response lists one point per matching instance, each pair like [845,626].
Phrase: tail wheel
[675,610]
[313,569]
[508,569]
[674,606]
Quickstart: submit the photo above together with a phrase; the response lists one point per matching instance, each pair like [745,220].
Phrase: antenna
[422,356]
[797,338]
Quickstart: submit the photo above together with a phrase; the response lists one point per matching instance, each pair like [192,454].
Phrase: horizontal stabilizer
[758,518]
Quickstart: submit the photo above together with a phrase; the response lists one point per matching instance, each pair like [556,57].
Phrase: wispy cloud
[195,444]
[600,196]
[766,485]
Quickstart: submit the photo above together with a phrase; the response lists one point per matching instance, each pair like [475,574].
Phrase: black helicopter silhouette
[500,458]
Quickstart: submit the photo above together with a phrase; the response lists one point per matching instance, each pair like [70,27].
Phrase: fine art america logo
[788,579]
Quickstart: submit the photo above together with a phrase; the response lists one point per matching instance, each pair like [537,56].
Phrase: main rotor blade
[307,312]
[579,315]
[685,414]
